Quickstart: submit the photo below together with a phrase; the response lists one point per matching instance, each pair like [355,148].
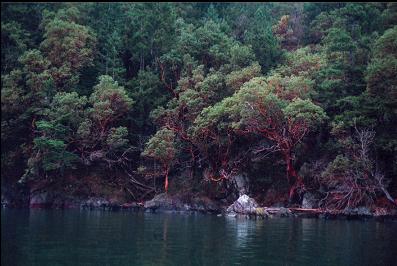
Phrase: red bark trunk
[295,181]
[166,180]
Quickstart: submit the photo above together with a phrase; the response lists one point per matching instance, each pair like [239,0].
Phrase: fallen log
[273,210]
[304,210]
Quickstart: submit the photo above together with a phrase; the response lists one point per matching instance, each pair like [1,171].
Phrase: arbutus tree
[161,147]
[254,109]
[197,89]
[277,108]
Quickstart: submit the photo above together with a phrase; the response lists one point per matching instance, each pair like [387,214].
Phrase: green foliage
[381,71]
[50,129]
[105,20]
[259,35]
[147,92]
[50,153]
[304,111]
[241,55]
[109,100]
[237,78]
[67,108]
[149,30]
[54,154]
[162,146]
[67,43]
[14,42]
[256,101]
[117,138]
[303,62]
[337,168]
[389,15]
[339,42]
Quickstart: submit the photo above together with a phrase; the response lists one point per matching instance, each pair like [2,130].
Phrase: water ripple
[73,237]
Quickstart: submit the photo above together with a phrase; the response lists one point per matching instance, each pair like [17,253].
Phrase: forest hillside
[130,100]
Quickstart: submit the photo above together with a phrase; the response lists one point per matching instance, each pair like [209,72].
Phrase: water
[74,237]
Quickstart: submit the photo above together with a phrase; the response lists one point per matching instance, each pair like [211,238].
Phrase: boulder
[131,206]
[243,205]
[359,211]
[41,199]
[383,212]
[13,196]
[241,183]
[204,204]
[165,202]
[283,212]
[309,201]
[4,201]
[95,203]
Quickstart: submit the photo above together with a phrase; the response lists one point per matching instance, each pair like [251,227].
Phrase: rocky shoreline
[243,207]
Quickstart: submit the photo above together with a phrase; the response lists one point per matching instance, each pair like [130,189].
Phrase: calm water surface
[74,237]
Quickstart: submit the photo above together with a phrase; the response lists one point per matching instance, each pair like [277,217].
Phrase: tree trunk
[166,179]
[295,181]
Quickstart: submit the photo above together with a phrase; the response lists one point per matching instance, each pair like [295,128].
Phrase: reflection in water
[164,240]
[243,229]
[239,228]
[74,237]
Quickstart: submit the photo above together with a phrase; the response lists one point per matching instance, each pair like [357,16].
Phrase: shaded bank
[244,206]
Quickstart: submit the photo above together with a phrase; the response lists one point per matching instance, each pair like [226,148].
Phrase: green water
[74,237]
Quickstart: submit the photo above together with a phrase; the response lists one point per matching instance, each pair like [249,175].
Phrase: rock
[359,211]
[95,203]
[243,205]
[204,204]
[58,200]
[131,206]
[364,211]
[309,201]
[231,214]
[383,212]
[4,201]
[274,198]
[283,212]
[42,199]
[241,183]
[164,202]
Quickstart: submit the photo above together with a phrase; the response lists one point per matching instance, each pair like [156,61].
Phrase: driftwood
[332,212]
[307,210]
[274,210]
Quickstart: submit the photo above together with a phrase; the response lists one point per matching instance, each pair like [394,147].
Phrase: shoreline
[244,207]
[272,212]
